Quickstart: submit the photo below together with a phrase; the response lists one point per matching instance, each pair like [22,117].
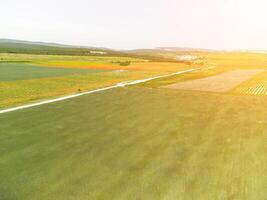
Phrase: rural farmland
[133,100]
[190,135]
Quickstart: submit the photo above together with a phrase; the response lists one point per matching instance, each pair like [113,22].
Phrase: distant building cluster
[98,52]
[186,58]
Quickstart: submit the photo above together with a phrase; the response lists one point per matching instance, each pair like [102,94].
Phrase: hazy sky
[121,24]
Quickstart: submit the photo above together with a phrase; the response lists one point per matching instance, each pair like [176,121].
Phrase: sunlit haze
[129,24]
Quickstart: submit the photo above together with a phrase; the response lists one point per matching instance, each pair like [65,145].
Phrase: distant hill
[48,44]
[34,43]
[184,49]
[29,47]
[43,48]
[167,53]
[169,50]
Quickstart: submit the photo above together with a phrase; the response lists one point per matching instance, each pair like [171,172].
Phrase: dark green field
[20,71]
[136,143]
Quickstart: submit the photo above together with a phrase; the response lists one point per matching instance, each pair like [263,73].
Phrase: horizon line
[141,48]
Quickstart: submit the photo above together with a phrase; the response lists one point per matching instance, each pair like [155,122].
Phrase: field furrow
[255,86]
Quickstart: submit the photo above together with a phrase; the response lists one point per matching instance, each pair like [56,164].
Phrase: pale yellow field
[219,83]
[237,60]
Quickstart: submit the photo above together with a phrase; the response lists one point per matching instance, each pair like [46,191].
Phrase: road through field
[122,84]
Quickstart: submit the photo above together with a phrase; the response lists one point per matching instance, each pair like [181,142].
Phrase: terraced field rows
[260,89]
[255,86]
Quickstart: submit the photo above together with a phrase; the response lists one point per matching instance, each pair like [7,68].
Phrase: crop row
[258,88]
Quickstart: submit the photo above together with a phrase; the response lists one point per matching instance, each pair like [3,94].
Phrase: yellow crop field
[134,66]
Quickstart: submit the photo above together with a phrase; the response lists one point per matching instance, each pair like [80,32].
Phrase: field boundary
[122,84]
